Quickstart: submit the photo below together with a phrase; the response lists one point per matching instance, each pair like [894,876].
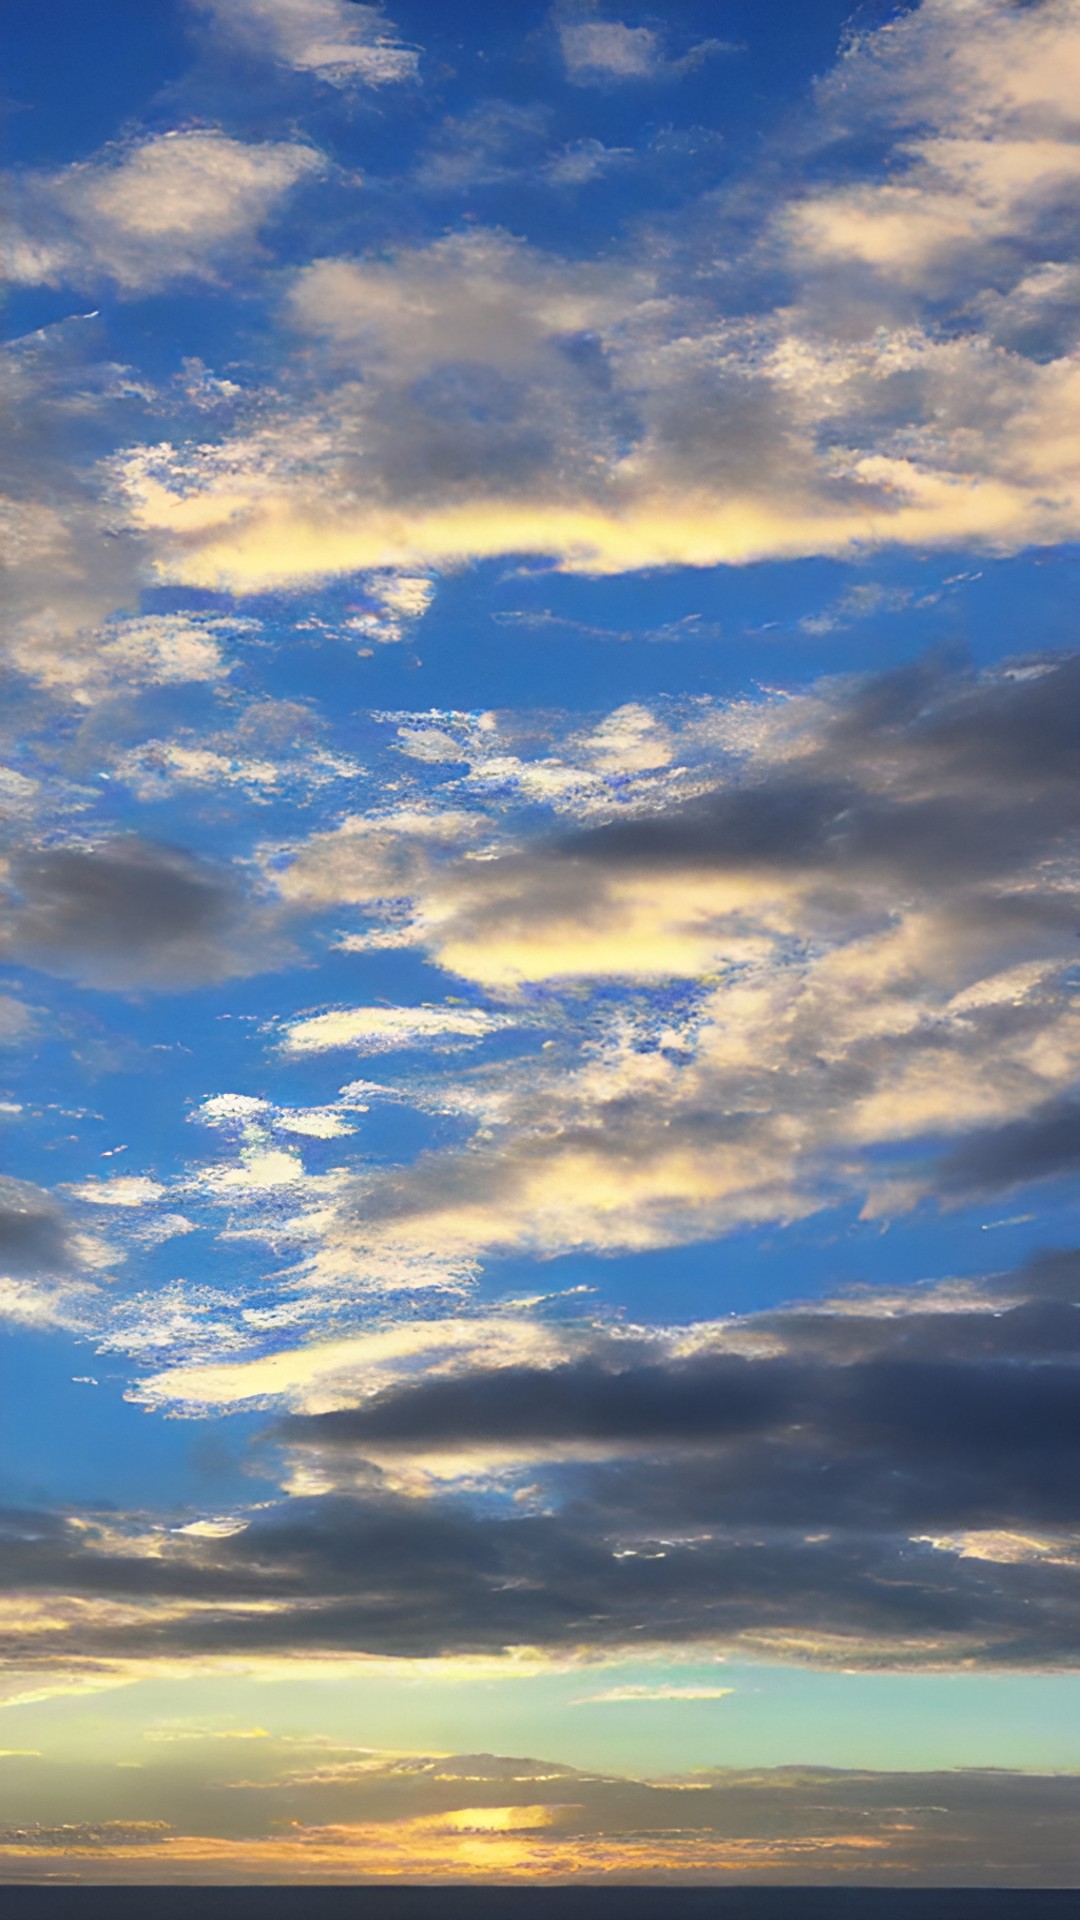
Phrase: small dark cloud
[34,1235]
[129,913]
[1043,1146]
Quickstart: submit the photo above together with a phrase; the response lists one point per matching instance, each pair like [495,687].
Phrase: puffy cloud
[992,65]
[120,1190]
[171,207]
[606,49]
[343,44]
[914,382]
[164,649]
[274,749]
[126,913]
[869,892]
[980,189]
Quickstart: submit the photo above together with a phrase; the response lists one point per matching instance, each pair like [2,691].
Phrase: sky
[539,1031]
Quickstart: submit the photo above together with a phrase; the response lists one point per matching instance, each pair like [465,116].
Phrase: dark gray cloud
[916,776]
[34,1235]
[698,1400]
[384,1574]
[129,913]
[894,1488]
[1043,1146]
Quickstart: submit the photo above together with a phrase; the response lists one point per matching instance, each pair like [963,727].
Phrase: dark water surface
[537,1903]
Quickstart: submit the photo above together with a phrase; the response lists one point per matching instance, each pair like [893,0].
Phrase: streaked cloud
[597,51]
[478,1818]
[384,1029]
[343,45]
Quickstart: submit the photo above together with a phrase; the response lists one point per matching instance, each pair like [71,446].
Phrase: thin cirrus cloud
[341,44]
[599,52]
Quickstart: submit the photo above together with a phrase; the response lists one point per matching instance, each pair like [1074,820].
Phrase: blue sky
[538,964]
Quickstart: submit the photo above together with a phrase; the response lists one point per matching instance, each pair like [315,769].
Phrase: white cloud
[122,1190]
[394,603]
[607,49]
[322,1375]
[384,1029]
[165,649]
[61,1306]
[174,206]
[334,41]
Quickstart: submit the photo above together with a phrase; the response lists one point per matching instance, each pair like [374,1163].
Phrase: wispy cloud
[342,44]
[596,51]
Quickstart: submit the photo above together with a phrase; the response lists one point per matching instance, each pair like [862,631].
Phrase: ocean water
[537,1903]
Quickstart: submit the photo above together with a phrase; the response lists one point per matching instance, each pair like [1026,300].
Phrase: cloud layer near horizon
[480,1816]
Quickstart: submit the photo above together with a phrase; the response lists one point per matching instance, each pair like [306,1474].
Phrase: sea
[536,1903]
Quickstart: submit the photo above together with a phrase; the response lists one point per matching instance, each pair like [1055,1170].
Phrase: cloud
[17,1022]
[275,748]
[884,1478]
[597,52]
[151,650]
[481,1817]
[840,921]
[606,49]
[983,99]
[67,565]
[343,44]
[384,1029]
[44,1262]
[912,381]
[174,206]
[331,1373]
[126,913]
[120,1190]
[866,889]
[1002,68]
[35,1237]
[1043,1146]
